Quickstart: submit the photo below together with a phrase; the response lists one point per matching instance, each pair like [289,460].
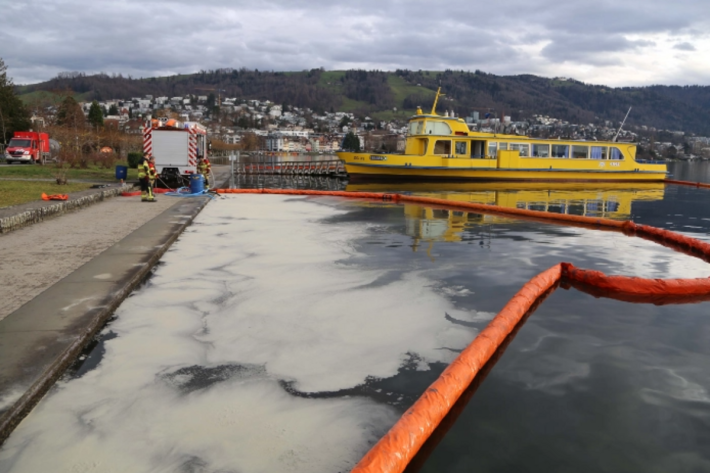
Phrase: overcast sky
[616,43]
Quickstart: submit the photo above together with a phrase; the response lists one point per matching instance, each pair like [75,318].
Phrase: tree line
[13,114]
[369,92]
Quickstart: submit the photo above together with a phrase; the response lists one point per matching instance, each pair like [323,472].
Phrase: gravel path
[34,258]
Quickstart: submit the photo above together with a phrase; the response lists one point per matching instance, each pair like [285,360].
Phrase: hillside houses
[285,128]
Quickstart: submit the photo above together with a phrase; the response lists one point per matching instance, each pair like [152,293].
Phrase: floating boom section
[395,450]
[401,443]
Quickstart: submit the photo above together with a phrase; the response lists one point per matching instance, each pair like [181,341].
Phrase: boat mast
[436,99]
[622,125]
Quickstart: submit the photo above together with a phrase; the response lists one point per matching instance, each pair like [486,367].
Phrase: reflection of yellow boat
[443,147]
[610,200]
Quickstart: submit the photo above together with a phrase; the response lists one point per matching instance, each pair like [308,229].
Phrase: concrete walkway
[63,279]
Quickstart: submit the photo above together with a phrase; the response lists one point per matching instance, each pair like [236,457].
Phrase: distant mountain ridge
[378,93]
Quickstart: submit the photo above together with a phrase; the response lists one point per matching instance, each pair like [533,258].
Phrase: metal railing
[287,181]
[333,167]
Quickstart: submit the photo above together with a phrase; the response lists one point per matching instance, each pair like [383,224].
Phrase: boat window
[599,152]
[492,149]
[523,148]
[437,128]
[460,147]
[415,128]
[560,151]
[478,149]
[616,154]
[557,207]
[541,151]
[580,152]
[576,209]
[503,146]
[594,207]
[442,147]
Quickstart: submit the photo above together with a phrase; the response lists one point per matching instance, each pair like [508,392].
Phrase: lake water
[289,333]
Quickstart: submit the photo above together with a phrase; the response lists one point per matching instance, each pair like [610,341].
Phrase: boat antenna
[436,99]
[622,125]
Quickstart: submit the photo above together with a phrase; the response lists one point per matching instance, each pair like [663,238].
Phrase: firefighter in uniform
[153,175]
[208,172]
[144,176]
[203,167]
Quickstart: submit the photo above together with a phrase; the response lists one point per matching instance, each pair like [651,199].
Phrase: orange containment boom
[687,183]
[395,450]
[400,444]
[631,289]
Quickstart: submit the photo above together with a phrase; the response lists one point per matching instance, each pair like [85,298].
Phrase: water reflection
[428,224]
[611,200]
[690,171]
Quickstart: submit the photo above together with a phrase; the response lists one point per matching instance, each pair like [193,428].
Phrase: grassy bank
[19,192]
[15,190]
[92,173]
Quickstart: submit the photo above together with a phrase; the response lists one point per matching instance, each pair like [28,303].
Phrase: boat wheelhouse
[442,147]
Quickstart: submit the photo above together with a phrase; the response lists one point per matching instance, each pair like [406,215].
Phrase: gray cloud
[684,47]
[590,49]
[161,38]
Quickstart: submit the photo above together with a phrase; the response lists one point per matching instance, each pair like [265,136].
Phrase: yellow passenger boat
[441,147]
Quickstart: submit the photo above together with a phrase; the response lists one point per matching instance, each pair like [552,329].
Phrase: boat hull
[359,167]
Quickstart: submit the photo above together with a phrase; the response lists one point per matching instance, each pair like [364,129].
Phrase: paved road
[35,257]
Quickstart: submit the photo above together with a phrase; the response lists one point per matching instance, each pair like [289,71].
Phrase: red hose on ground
[400,444]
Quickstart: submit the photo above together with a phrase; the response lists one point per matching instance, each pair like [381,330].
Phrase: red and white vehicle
[175,146]
[27,147]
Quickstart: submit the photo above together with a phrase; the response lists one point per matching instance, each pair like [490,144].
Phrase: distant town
[262,125]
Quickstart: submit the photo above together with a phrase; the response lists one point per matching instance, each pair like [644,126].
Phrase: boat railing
[650,161]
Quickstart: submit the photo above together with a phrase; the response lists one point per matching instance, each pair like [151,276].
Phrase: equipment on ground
[197,184]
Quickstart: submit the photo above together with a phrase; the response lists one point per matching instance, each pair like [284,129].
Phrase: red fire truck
[28,147]
[175,146]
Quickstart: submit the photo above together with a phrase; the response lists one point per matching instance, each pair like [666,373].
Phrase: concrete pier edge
[100,315]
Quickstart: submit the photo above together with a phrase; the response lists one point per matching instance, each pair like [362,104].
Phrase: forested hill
[375,92]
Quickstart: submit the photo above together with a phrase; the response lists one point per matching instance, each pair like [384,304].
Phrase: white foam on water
[262,287]
[616,254]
